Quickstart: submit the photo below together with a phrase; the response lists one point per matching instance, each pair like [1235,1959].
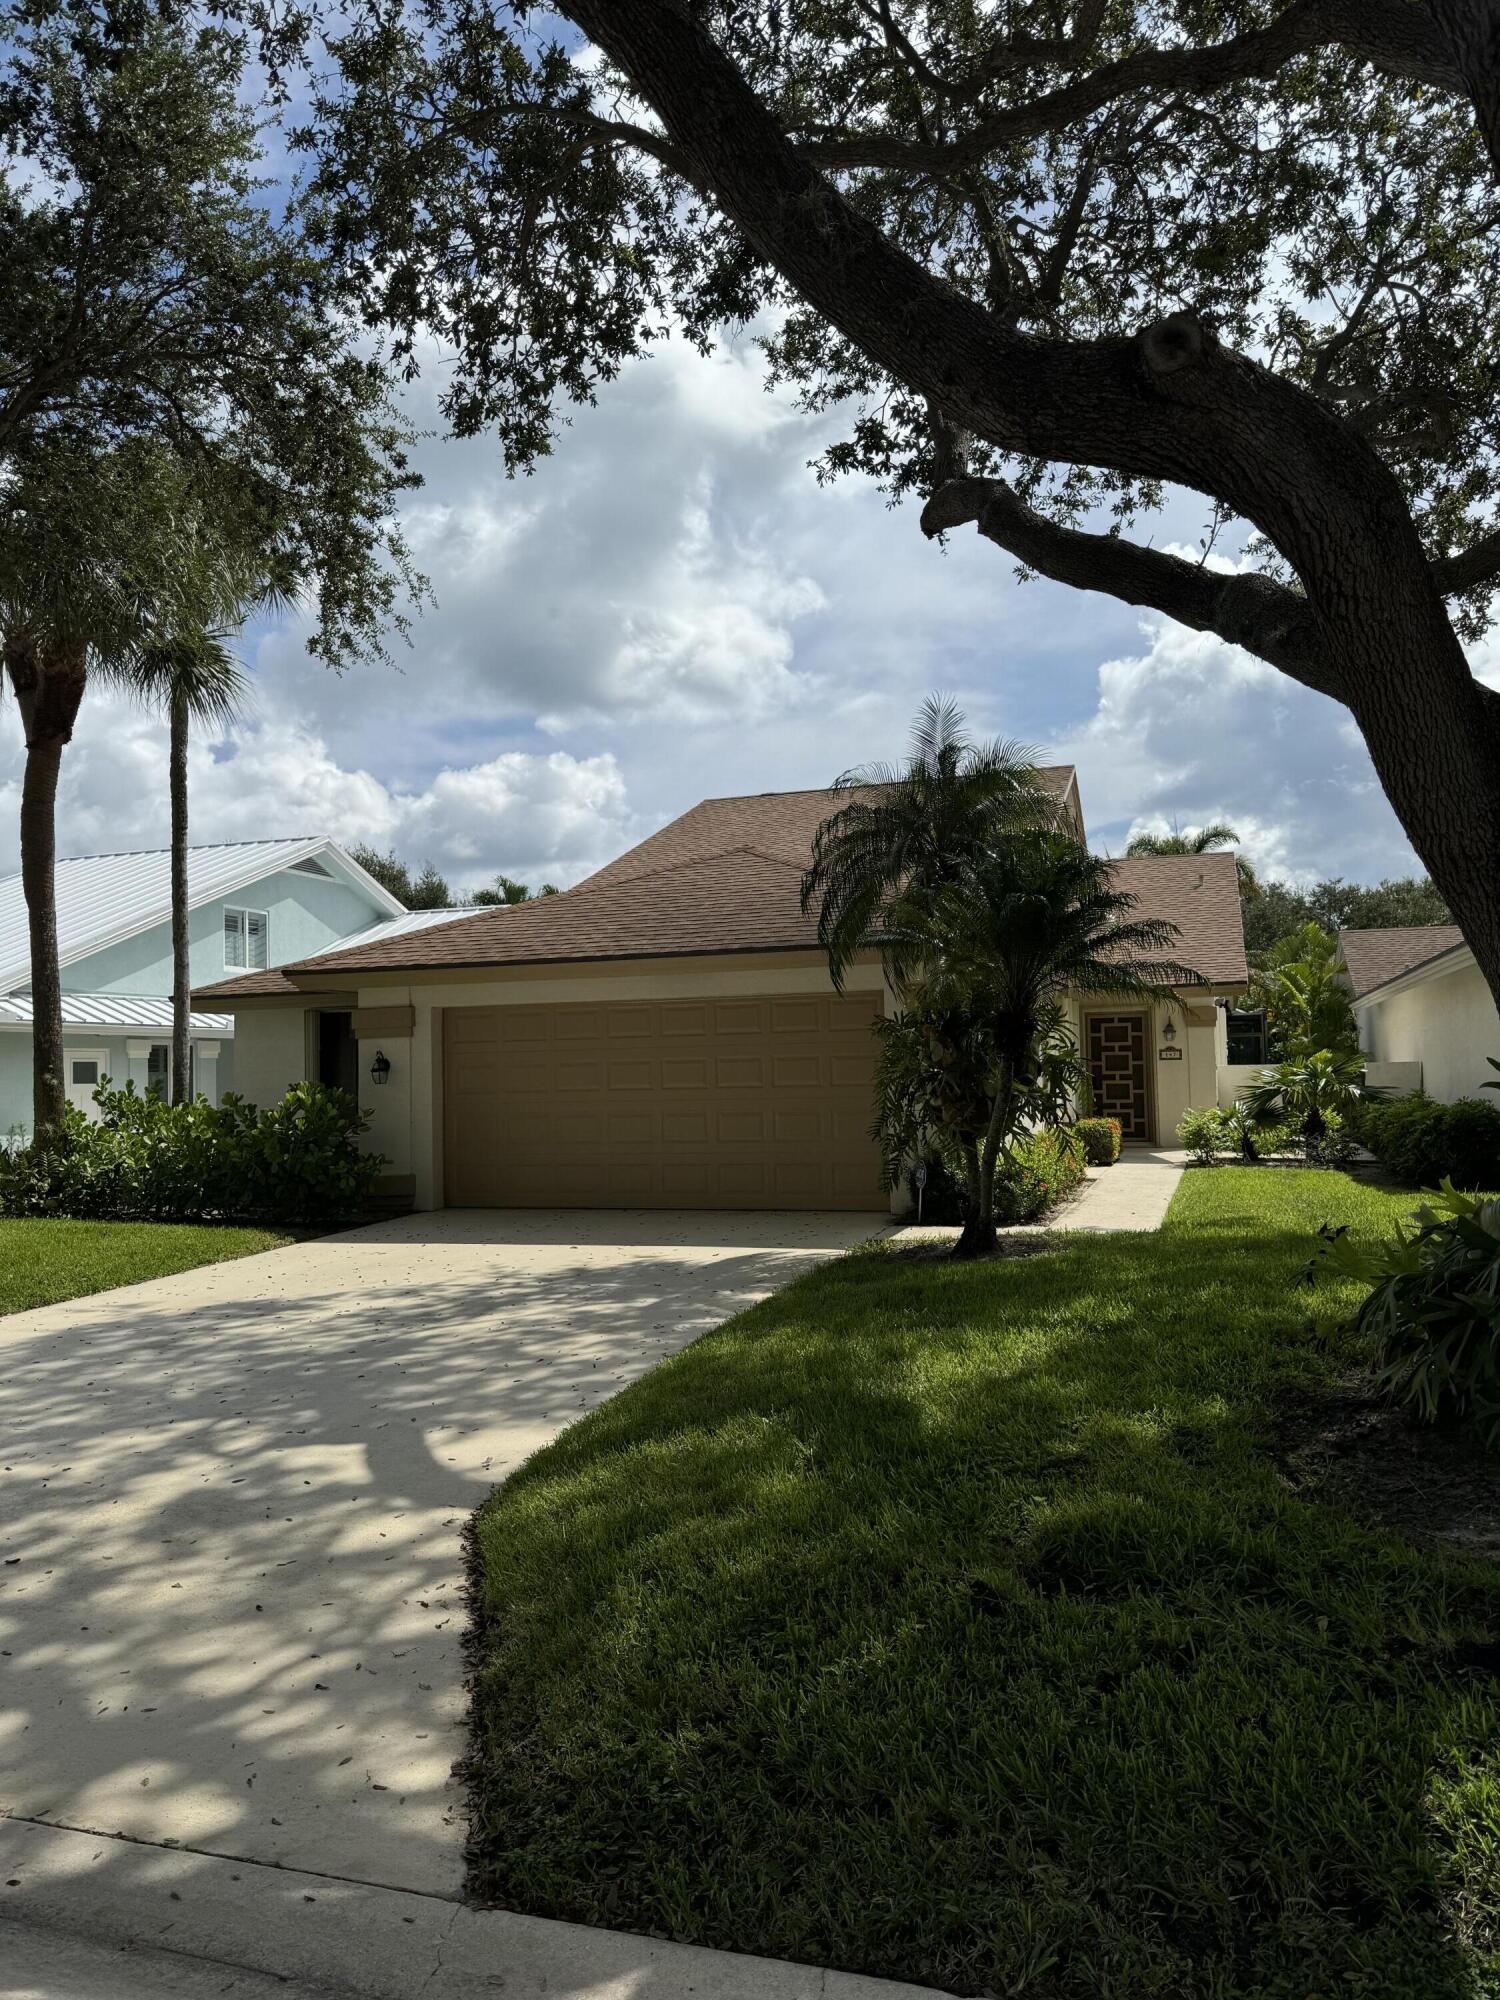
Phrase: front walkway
[231,1606]
[1135,1193]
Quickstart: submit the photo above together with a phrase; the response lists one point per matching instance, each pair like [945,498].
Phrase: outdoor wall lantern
[1169,1030]
[380,1069]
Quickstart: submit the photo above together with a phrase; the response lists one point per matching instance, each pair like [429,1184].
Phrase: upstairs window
[245,940]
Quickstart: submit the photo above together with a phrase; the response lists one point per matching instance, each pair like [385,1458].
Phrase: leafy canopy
[1309,183]
[167,342]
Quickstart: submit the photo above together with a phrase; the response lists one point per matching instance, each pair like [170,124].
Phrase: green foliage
[986,912]
[426,890]
[910,832]
[296,1163]
[1205,1133]
[184,385]
[1102,1139]
[1037,1172]
[1336,905]
[1422,1142]
[1300,985]
[1238,1133]
[507,890]
[1432,1317]
[1307,1091]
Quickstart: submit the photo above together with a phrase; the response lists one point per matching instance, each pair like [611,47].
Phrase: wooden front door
[1117,1066]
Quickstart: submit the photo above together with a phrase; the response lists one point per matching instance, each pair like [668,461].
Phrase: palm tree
[197,680]
[916,828]
[1208,839]
[1037,919]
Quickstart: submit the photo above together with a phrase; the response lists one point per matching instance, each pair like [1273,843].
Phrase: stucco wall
[270,1052]
[1447,1023]
[305,913]
[405,1114]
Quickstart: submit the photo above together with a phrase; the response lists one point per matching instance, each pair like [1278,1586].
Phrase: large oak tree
[1052,262]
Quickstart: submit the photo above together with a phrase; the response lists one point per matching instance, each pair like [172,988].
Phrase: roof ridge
[199,847]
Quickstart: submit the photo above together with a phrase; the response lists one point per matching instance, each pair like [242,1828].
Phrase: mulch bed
[1433,1484]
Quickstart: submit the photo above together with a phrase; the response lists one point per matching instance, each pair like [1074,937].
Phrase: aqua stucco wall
[304,914]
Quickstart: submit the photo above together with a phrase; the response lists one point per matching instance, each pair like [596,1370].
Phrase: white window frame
[245,914]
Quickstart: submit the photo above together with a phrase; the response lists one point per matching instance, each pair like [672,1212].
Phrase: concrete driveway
[231,1607]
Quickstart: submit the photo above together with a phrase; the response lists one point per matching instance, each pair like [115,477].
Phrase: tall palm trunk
[979,1236]
[181,985]
[48,687]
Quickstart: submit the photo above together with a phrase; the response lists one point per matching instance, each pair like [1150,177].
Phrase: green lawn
[950,1623]
[45,1260]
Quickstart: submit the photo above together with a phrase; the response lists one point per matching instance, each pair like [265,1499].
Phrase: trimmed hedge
[1102,1139]
[1422,1142]
[295,1164]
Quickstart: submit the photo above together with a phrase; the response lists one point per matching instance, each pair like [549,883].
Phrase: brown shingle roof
[1200,893]
[725,878]
[1371,958]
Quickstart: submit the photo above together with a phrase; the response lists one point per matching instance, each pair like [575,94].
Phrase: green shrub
[294,1163]
[1205,1133]
[1422,1142]
[1043,1168]
[1102,1139]
[1216,1134]
[1433,1315]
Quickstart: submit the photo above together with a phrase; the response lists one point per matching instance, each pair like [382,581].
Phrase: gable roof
[779,825]
[686,893]
[102,899]
[1374,958]
[1200,894]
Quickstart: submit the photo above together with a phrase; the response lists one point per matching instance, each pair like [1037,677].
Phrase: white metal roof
[128,1012]
[104,898]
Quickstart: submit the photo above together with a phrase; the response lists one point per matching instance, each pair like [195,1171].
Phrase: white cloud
[527,814]
[672,608]
[1189,729]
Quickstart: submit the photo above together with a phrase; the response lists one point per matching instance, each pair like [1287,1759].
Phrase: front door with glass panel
[83,1072]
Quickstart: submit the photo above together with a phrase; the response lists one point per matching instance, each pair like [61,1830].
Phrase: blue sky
[673,608]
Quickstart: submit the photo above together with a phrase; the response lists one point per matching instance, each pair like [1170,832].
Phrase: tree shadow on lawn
[953,1625]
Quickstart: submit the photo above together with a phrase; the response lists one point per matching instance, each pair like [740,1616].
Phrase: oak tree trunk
[181,1086]
[48,687]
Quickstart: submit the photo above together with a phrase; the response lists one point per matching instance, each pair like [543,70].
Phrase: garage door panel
[795,1017]
[568,1074]
[571,1024]
[684,1072]
[739,1017]
[756,1103]
[796,1072]
[740,1072]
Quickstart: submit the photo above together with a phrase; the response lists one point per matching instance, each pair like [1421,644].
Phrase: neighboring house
[252,904]
[666,1034]
[1427,1019]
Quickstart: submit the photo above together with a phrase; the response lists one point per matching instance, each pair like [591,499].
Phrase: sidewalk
[72,1903]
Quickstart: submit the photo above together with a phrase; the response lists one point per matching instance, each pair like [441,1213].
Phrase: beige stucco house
[667,1035]
[1427,1020]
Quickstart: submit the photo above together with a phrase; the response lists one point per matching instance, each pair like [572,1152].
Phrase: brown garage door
[672,1104]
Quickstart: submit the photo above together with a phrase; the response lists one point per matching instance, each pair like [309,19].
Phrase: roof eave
[1441,962]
